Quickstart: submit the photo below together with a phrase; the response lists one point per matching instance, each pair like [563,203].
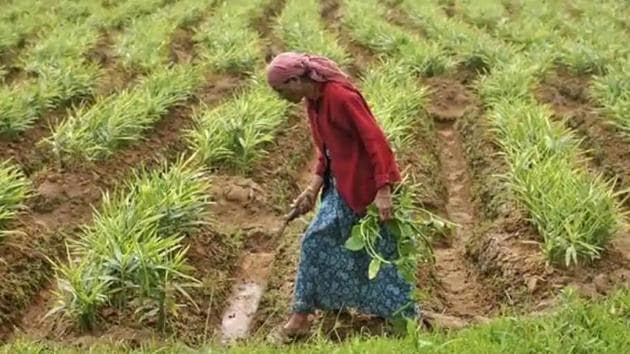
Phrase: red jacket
[361,159]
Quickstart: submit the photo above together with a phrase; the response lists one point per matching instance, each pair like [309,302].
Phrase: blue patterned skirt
[331,277]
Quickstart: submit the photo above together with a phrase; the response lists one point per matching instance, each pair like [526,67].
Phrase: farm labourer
[356,167]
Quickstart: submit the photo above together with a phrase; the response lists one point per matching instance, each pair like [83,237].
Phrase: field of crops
[145,164]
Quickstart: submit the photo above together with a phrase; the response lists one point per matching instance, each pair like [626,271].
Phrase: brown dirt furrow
[114,78]
[568,96]
[182,47]
[65,198]
[280,177]
[461,291]
[331,13]
[264,25]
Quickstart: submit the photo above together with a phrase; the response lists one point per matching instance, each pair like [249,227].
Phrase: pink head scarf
[289,65]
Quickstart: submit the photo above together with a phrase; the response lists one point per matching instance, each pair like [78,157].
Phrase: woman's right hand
[304,202]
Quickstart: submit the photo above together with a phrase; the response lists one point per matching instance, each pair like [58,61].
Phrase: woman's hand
[383,202]
[305,202]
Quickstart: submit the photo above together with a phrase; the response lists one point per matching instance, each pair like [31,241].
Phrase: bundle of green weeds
[411,226]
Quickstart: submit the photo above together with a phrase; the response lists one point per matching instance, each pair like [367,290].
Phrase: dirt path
[460,290]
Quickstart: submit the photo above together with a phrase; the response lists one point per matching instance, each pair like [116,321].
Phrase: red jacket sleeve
[320,164]
[351,106]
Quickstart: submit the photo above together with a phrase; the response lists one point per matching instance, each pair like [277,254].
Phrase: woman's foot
[297,325]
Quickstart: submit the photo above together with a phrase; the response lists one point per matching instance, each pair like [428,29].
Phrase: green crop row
[612,90]
[60,69]
[485,14]
[228,42]
[576,213]
[301,29]
[475,49]
[396,100]
[23,104]
[587,44]
[132,255]
[145,44]
[236,131]
[126,11]
[576,323]
[14,189]
[68,41]
[367,27]
[98,131]
[21,19]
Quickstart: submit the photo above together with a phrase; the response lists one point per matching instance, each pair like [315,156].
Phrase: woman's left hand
[383,202]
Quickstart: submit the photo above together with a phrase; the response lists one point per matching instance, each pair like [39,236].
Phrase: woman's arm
[354,108]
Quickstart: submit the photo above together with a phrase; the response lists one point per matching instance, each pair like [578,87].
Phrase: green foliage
[300,28]
[132,254]
[527,128]
[367,26]
[612,91]
[227,43]
[576,214]
[20,106]
[145,44]
[96,132]
[486,14]
[59,82]
[14,189]
[411,226]
[125,11]
[236,132]
[21,19]
[56,61]
[575,326]
[67,41]
[475,49]
[396,100]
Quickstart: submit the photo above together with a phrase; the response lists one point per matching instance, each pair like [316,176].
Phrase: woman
[356,167]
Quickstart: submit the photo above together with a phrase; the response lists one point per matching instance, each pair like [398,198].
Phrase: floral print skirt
[333,278]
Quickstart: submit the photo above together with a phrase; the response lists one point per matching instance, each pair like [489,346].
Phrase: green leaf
[375,266]
[394,227]
[355,242]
